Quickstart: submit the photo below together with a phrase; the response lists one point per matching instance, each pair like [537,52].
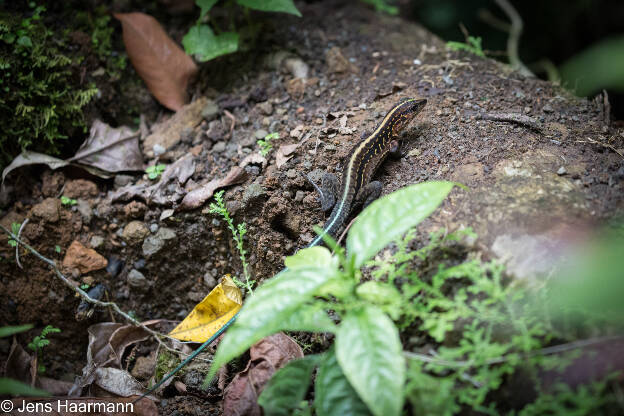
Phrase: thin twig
[89,299]
[230,116]
[607,145]
[512,118]
[515,31]
[19,234]
[556,349]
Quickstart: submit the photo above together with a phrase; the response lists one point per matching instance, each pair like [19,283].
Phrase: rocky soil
[319,82]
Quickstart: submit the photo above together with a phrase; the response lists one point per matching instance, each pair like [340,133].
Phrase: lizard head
[405,111]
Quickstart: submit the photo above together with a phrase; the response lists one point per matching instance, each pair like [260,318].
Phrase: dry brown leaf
[198,196]
[284,153]
[159,61]
[266,357]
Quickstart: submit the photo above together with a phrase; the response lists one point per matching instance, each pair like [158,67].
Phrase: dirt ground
[536,181]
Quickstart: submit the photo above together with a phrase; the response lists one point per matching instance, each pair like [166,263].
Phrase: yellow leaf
[209,315]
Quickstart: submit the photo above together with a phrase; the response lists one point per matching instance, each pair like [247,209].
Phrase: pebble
[299,196]
[562,171]
[158,149]
[134,232]
[209,280]
[296,132]
[260,134]
[137,279]
[122,180]
[166,233]
[153,228]
[266,108]
[210,110]
[82,258]
[96,241]
[115,265]
[152,245]
[291,173]
[219,147]
[547,108]
[85,211]
[252,192]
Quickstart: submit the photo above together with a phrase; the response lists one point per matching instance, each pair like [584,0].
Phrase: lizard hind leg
[327,190]
[368,193]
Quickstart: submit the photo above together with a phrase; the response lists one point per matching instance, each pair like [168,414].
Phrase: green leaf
[333,394]
[369,351]
[288,387]
[6,331]
[205,45]
[311,257]
[383,6]
[597,67]
[277,305]
[285,6]
[24,41]
[17,388]
[387,218]
[205,6]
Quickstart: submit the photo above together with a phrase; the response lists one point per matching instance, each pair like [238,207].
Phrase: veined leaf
[5,331]
[333,394]
[285,6]
[277,305]
[387,218]
[311,257]
[369,351]
[205,45]
[288,386]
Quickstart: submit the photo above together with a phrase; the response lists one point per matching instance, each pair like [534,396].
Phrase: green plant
[383,6]
[472,45]
[265,144]
[84,286]
[57,249]
[68,201]
[202,41]
[155,171]
[13,387]
[238,234]
[39,342]
[39,105]
[15,227]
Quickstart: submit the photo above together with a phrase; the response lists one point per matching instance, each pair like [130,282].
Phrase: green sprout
[15,227]
[155,171]
[265,144]
[472,45]
[41,341]
[68,201]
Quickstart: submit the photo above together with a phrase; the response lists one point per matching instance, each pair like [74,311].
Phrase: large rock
[84,259]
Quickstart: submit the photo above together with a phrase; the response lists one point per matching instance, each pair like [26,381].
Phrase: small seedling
[238,233]
[472,45]
[57,248]
[265,144]
[68,201]
[15,227]
[84,286]
[41,341]
[155,171]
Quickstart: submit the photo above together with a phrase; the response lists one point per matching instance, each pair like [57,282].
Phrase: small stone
[195,296]
[134,232]
[209,280]
[166,234]
[166,214]
[152,245]
[260,134]
[82,258]
[80,188]
[562,171]
[122,180]
[291,173]
[337,63]
[547,108]
[296,132]
[252,192]
[143,368]
[115,265]
[299,196]
[210,110]
[88,280]
[153,228]
[219,147]
[85,211]
[158,149]
[137,279]
[48,210]
[135,209]
[266,108]
[96,241]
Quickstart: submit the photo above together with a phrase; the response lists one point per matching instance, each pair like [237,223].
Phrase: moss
[40,106]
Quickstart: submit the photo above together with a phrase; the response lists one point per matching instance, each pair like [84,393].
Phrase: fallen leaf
[267,356]
[110,149]
[198,196]
[86,405]
[27,158]
[284,153]
[118,382]
[109,340]
[209,315]
[159,61]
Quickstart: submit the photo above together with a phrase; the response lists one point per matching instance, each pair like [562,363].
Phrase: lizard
[356,188]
